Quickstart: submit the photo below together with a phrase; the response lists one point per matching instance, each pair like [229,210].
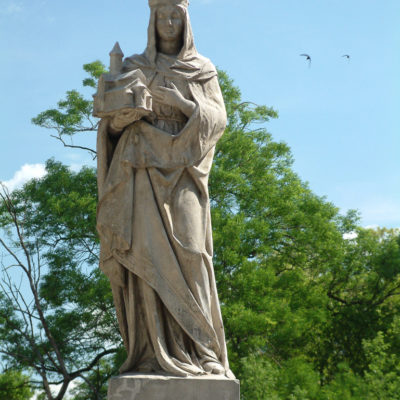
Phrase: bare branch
[12,254]
[28,272]
[59,137]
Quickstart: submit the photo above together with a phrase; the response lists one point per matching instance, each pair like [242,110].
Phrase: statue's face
[169,23]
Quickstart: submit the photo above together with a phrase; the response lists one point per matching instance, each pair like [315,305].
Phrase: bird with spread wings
[308,58]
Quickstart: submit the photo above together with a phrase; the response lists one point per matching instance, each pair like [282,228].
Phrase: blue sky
[340,118]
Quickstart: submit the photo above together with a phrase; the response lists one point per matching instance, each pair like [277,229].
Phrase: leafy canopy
[308,314]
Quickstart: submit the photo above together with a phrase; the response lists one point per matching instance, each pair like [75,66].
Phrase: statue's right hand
[121,120]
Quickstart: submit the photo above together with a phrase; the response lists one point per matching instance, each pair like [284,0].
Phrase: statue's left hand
[173,97]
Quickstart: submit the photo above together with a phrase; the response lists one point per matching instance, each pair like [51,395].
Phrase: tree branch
[94,153]
[93,363]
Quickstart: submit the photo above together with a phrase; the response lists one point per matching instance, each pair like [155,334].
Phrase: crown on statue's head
[156,3]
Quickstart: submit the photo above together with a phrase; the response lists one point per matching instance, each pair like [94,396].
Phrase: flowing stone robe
[154,219]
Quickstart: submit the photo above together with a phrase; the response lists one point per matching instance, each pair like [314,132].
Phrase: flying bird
[347,56]
[308,58]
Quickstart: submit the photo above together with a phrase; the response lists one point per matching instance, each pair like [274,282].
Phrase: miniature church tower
[116,56]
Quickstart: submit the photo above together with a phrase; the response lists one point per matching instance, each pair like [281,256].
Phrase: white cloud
[354,235]
[350,236]
[24,174]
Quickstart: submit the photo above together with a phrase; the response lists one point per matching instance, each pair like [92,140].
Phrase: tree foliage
[56,311]
[74,113]
[310,299]
[300,300]
[14,386]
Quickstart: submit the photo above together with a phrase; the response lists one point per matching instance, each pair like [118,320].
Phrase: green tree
[56,311]
[14,386]
[383,373]
[296,293]
[274,239]
[73,114]
[308,314]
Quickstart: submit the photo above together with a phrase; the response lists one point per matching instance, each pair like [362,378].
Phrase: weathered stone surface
[162,114]
[159,387]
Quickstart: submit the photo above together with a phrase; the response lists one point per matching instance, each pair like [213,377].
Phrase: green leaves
[308,312]
[69,117]
[73,114]
[70,326]
[296,295]
[14,386]
[95,70]
[74,111]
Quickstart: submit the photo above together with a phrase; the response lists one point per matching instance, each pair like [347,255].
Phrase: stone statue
[162,114]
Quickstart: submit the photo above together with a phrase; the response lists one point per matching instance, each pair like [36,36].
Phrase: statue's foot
[215,368]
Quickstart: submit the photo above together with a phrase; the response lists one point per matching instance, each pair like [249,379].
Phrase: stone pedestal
[160,387]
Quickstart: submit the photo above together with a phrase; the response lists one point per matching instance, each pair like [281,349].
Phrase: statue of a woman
[154,212]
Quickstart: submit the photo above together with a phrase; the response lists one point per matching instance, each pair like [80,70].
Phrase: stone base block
[160,387]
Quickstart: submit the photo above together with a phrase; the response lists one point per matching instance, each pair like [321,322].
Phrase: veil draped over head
[189,63]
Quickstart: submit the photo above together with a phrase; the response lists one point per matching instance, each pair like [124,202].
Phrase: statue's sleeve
[115,181]
[103,155]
